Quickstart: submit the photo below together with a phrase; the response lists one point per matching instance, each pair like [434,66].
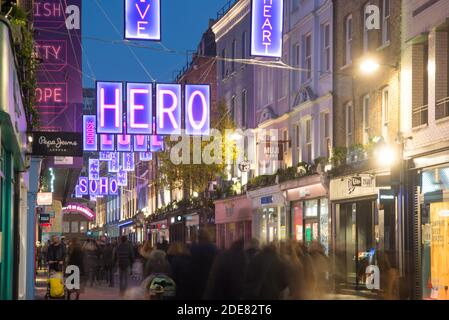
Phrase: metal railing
[420,116]
[442,108]
[226,8]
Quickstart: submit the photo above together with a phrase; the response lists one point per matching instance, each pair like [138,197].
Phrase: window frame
[349,120]
[326,46]
[244,116]
[308,138]
[386,22]
[366,113]
[308,54]
[348,39]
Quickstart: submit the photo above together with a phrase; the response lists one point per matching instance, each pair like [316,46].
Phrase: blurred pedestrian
[108,263]
[76,258]
[321,270]
[266,278]
[228,274]
[56,254]
[203,254]
[157,263]
[179,258]
[90,249]
[124,257]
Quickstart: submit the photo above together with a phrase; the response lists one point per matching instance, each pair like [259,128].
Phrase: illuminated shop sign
[109,107]
[85,211]
[168,109]
[90,142]
[143,20]
[266,28]
[139,108]
[197,106]
[94,169]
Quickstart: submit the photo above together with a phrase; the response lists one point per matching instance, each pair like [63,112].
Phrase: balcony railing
[420,116]
[442,108]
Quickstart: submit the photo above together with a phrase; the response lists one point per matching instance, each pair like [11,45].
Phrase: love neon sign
[143,20]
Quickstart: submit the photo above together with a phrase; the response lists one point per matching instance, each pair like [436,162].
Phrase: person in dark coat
[181,269]
[108,263]
[202,257]
[227,277]
[124,257]
[91,260]
[267,279]
[76,258]
[56,254]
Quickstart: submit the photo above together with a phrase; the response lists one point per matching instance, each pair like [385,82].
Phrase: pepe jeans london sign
[62,144]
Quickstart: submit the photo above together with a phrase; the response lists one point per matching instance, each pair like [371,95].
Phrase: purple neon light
[113,186]
[114,164]
[197,106]
[104,186]
[168,109]
[128,161]
[143,20]
[105,156]
[156,143]
[94,169]
[122,178]
[93,187]
[90,141]
[109,107]
[139,108]
[83,184]
[107,142]
[140,143]
[145,156]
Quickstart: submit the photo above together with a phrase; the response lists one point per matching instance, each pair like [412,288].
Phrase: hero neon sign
[109,107]
[143,20]
[197,102]
[139,108]
[168,109]
[266,28]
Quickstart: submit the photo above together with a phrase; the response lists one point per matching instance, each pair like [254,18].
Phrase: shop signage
[266,200]
[85,211]
[44,218]
[266,28]
[143,20]
[360,181]
[62,144]
[386,195]
[44,199]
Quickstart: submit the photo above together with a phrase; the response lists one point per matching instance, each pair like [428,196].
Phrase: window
[365,16]
[244,45]
[348,42]
[233,108]
[349,124]
[233,52]
[66,227]
[325,134]
[366,113]
[244,108]
[385,111]
[223,64]
[326,43]
[298,141]
[308,57]
[74,227]
[295,5]
[386,22]
[83,226]
[308,141]
[295,63]
[285,141]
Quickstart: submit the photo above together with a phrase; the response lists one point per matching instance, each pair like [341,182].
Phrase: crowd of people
[287,270]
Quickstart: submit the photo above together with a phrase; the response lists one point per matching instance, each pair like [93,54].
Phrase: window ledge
[442,120]
[420,127]
[346,66]
[384,46]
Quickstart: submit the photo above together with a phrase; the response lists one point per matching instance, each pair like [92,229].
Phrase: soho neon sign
[266,28]
[139,119]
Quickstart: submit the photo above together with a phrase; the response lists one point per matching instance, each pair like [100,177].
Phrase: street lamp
[369,66]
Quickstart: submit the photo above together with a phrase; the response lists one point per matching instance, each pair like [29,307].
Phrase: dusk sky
[183,23]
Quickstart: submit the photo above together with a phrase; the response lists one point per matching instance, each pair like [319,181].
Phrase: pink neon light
[140,140]
[190,111]
[134,107]
[115,106]
[105,140]
[124,139]
[168,111]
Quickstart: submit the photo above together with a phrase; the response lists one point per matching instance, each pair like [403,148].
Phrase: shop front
[233,217]
[269,221]
[431,227]
[157,232]
[364,228]
[309,210]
